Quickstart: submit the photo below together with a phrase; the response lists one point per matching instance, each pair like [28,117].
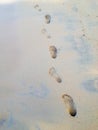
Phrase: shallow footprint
[54,74]
[47,18]
[70,105]
[37,7]
[44,31]
[53,51]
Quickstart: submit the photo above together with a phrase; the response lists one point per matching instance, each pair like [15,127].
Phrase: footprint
[53,51]
[70,105]
[44,31]
[37,7]
[47,18]
[54,74]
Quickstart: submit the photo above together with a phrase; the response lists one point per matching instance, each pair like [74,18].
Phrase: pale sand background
[30,99]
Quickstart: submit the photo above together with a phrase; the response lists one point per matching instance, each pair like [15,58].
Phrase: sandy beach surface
[33,76]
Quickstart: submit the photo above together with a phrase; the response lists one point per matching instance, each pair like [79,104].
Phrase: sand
[28,92]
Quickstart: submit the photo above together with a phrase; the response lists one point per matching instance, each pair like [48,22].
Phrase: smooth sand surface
[29,98]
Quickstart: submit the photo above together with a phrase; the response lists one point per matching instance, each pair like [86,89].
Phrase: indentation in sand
[70,105]
[53,51]
[55,75]
[47,18]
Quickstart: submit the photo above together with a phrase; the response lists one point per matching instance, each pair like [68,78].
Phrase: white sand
[26,89]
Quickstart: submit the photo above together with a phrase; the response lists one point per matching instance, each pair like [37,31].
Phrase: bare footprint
[47,18]
[44,31]
[53,51]
[70,105]
[37,7]
[54,74]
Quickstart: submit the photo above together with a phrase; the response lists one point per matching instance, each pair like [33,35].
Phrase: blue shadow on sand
[39,92]
[10,123]
[89,85]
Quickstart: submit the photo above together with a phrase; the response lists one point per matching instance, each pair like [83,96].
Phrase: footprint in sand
[55,75]
[70,105]
[47,18]
[44,31]
[53,51]
[37,7]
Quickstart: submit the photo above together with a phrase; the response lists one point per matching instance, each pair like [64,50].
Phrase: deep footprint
[47,18]
[54,74]
[53,51]
[70,105]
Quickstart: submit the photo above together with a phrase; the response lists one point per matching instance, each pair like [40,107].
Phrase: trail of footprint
[44,31]
[47,18]
[53,51]
[70,105]
[55,75]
